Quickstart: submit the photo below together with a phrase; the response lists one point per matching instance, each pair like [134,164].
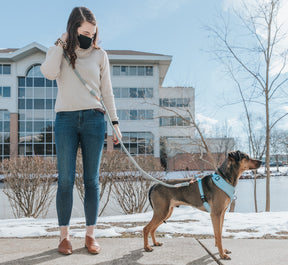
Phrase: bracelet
[115,122]
[61,43]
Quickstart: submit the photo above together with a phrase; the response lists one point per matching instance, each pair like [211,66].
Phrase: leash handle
[92,92]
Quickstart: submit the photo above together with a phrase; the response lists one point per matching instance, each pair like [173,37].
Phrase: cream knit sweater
[93,66]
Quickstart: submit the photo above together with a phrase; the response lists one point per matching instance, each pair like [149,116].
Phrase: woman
[79,118]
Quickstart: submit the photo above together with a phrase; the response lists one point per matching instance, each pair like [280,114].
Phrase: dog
[163,199]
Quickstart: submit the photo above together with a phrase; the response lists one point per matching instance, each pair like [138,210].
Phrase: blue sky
[168,27]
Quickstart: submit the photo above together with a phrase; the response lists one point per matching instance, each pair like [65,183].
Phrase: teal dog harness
[222,184]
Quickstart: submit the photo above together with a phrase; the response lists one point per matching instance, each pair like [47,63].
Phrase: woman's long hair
[76,18]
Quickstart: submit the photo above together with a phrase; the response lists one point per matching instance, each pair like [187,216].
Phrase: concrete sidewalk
[129,251]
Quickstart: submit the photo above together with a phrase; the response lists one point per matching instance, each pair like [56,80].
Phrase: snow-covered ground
[184,221]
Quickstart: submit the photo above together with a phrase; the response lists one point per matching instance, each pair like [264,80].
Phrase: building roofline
[115,56]
[17,54]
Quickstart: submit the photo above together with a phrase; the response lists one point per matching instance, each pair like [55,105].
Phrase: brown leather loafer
[92,245]
[65,247]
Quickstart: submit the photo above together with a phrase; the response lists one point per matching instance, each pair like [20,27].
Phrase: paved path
[129,251]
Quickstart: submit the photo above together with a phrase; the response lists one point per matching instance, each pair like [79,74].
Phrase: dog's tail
[149,194]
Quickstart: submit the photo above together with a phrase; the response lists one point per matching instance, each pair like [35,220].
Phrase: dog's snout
[257,163]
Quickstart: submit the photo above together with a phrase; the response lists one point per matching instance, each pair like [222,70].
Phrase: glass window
[141,70]
[29,82]
[133,92]
[22,126]
[125,92]
[48,83]
[29,126]
[39,103]
[141,114]
[29,104]
[149,70]
[37,71]
[124,70]
[132,70]
[39,126]
[6,126]
[21,92]
[1,91]
[39,82]
[172,102]
[29,114]
[116,92]
[39,149]
[49,91]
[54,92]
[116,70]
[186,122]
[6,91]
[141,92]
[172,121]
[29,92]
[21,81]
[6,69]
[21,103]
[21,114]
[36,113]
[149,93]
[39,92]
[179,121]
[1,67]
[49,104]
[186,102]
[6,116]
[123,114]
[133,114]
[165,102]
[149,114]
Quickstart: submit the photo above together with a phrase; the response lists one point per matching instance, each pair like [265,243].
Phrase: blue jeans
[87,128]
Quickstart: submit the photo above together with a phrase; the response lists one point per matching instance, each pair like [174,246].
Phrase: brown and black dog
[164,199]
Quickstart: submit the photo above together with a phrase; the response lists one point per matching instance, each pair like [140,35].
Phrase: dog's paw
[226,251]
[148,249]
[225,256]
[158,244]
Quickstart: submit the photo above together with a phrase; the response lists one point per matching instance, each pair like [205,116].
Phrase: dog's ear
[234,155]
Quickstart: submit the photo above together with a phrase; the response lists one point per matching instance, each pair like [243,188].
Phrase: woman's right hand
[64,37]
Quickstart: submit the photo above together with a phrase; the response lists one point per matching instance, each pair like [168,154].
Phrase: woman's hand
[117,129]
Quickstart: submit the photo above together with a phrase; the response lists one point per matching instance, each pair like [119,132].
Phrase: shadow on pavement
[205,260]
[41,257]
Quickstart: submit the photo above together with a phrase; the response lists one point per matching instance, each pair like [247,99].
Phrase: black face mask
[85,42]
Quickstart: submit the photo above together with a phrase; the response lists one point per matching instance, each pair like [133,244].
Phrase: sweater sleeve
[106,88]
[50,68]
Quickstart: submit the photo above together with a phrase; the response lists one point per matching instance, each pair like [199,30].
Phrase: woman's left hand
[117,129]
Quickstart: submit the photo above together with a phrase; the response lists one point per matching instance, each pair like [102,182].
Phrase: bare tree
[109,167]
[252,60]
[28,185]
[131,188]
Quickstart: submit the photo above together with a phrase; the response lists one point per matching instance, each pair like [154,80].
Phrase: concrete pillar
[13,135]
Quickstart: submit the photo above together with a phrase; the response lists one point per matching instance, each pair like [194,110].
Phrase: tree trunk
[255,192]
[267,160]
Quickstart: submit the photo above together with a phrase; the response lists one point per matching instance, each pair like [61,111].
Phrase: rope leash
[92,92]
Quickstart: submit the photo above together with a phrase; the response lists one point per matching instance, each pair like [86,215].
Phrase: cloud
[207,125]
